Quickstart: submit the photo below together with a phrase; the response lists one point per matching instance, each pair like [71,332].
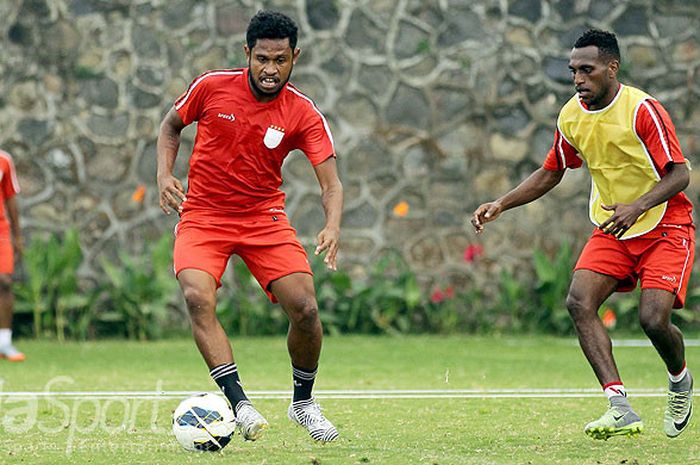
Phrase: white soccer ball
[204,422]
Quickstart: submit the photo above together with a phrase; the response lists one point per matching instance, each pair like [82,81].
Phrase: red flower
[437,296]
[450,292]
[472,251]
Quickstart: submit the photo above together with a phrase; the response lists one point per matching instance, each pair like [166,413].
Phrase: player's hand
[171,193]
[485,213]
[624,216]
[328,240]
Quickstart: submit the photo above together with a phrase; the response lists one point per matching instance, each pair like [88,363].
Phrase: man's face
[271,62]
[595,78]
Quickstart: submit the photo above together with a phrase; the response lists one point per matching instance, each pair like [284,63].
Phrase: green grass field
[476,430]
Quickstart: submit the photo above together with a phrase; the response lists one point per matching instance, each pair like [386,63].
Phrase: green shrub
[389,301]
[49,288]
[244,309]
[553,276]
[137,292]
[135,296]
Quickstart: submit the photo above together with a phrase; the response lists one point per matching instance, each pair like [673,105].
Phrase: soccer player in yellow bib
[644,229]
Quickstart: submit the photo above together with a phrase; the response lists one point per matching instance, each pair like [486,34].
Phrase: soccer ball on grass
[204,422]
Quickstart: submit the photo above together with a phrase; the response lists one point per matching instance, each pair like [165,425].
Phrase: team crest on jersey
[273,136]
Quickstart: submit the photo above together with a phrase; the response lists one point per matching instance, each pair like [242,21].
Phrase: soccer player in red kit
[248,120]
[10,248]
[644,226]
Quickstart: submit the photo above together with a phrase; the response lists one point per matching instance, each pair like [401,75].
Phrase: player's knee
[199,301]
[304,315]
[577,307]
[653,322]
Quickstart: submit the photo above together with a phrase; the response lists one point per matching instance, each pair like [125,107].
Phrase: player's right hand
[485,213]
[328,240]
[171,194]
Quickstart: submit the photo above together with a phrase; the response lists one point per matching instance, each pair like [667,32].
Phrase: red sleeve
[314,137]
[8,183]
[562,155]
[656,131]
[190,104]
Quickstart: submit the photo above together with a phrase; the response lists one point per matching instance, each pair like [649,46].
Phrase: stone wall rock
[435,106]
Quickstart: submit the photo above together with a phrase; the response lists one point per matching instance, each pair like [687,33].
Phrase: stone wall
[435,105]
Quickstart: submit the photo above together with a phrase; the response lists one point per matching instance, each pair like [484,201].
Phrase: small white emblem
[273,136]
[230,117]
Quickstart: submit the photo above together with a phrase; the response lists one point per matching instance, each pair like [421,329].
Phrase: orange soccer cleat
[11,354]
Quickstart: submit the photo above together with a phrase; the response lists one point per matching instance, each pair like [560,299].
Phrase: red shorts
[660,259]
[266,242]
[7,255]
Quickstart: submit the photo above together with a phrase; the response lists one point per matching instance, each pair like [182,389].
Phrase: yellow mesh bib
[621,169]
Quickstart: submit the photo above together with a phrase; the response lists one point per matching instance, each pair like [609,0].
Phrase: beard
[596,99]
[264,92]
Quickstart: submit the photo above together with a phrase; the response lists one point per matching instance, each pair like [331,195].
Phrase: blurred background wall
[436,106]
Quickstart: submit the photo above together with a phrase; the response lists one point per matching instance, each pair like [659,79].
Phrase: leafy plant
[133,295]
[244,309]
[50,289]
[138,291]
[388,301]
[551,286]
[509,307]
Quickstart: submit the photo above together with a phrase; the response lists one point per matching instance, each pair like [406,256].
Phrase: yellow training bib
[621,169]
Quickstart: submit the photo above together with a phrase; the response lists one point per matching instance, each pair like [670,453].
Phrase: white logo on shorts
[273,136]
[669,278]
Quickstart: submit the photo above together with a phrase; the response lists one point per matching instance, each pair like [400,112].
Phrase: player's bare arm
[676,179]
[332,198]
[13,217]
[535,186]
[170,189]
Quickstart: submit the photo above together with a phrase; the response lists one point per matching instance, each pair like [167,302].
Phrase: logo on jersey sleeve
[273,136]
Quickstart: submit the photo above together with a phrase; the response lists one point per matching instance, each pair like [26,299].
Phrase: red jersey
[655,130]
[236,163]
[9,186]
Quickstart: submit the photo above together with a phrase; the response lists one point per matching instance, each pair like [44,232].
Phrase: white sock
[674,378]
[5,337]
[615,388]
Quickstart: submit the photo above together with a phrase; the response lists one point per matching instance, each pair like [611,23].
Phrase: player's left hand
[328,240]
[624,216]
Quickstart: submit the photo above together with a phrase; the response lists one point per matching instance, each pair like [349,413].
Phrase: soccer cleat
[249,422]
[307,413]
[10,353]
[679,410]
[615,422]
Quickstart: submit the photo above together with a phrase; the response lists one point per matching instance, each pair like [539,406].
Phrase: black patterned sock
[303,383]
[226,376]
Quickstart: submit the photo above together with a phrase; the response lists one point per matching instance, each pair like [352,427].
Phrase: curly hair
[604,40]
[268,24]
